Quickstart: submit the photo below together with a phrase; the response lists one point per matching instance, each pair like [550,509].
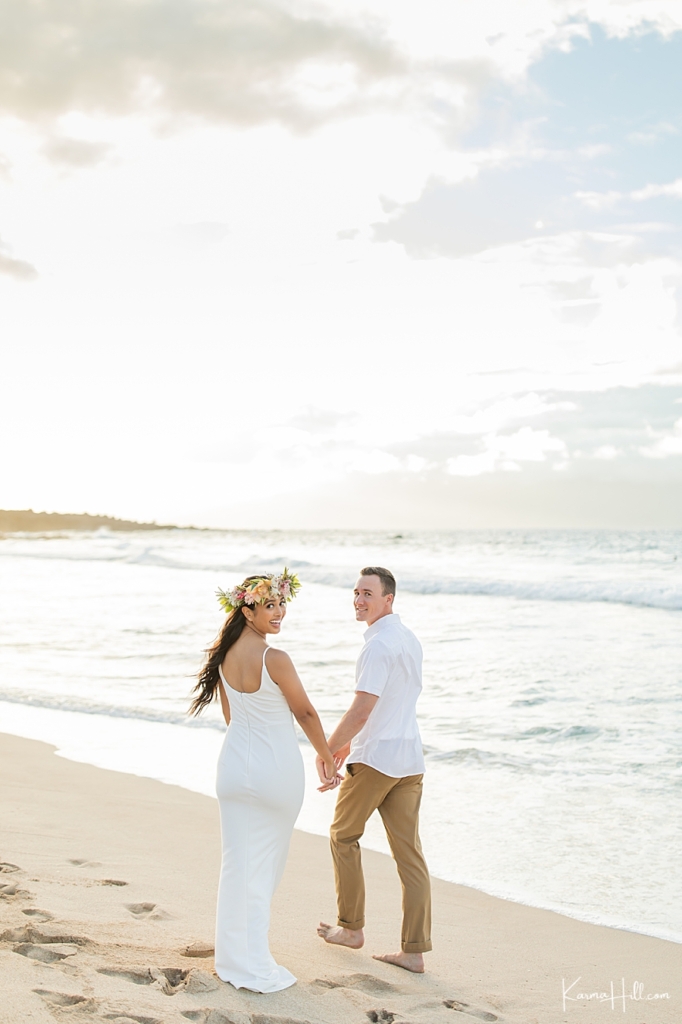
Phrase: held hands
[341,755]
[328,774]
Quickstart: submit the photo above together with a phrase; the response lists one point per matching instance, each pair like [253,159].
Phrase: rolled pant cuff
[353,926]
[416,947]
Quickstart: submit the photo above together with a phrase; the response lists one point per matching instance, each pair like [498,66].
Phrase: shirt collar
[380,624]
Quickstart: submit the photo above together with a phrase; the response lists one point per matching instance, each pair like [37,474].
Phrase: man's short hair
[385,575]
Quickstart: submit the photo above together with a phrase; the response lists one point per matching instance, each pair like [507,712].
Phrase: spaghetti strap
[222,677]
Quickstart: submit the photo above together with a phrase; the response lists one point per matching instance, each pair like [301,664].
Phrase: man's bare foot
[410,961]
[338,936]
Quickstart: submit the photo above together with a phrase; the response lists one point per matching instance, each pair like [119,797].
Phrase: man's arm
[349,726]
[353,721]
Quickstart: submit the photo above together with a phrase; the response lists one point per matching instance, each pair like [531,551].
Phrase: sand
[107,894]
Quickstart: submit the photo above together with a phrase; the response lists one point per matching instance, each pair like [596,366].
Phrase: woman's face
[267,617]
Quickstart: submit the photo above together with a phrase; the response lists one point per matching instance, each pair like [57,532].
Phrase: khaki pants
[363,791]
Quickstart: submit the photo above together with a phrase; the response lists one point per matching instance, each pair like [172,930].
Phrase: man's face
[370,604]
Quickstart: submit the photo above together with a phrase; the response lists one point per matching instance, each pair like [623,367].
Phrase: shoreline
[125,868]
[197,743]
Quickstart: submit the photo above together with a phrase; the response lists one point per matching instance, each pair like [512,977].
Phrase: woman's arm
[281,670]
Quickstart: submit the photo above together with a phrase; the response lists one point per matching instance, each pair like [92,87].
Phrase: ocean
[551,714]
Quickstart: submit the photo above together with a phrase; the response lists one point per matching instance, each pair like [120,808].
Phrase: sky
[279,264]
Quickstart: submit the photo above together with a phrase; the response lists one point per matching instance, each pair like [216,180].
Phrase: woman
[260,772]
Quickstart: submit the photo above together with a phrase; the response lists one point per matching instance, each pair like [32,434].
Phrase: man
[380,738]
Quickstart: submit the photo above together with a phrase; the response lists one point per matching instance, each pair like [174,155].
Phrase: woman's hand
[328,775]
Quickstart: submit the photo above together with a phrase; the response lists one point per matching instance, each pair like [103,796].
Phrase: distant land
[23,520]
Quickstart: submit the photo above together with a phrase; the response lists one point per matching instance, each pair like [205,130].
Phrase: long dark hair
[209,677]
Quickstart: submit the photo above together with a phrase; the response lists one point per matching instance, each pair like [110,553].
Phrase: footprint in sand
[266,1018]
[323,985]
[137,977]
[198,949]
[45,954]
[208,1017]
[471,1011]
[112,881]
[7,887]
[170,980]
[147,910]
[80,862]
[123,1017]
[364,982]
[201,981]
[30,934]
[41,916]
[65,1000]
[380,1016]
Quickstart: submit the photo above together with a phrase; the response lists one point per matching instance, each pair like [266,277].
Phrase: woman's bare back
[243,664]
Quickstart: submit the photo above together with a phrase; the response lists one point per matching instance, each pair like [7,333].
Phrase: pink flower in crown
[285,588]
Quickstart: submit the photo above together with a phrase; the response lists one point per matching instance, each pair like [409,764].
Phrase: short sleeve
[374,665]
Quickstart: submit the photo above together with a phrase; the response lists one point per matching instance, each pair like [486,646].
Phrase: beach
[107,898]
[550,715]
[309,293]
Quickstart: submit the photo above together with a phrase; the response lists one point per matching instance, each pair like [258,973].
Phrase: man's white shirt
[390,667]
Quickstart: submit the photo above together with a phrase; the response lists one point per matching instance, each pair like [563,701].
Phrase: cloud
[508,206]
[498,207]
[653,209]
[665,444]
[608,459]
[75,152]
[320,422]
[563,152]
[20,269]
[622,433]
[559,430]
[623,419]
[673,188]
[507,451]
[617,424]
[244,61]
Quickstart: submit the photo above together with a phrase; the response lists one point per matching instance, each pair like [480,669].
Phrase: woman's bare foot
[338,936]
[410,961]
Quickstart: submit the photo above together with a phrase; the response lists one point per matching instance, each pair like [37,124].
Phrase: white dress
[260,789]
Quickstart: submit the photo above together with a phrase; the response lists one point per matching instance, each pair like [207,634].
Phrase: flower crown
[260,589]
